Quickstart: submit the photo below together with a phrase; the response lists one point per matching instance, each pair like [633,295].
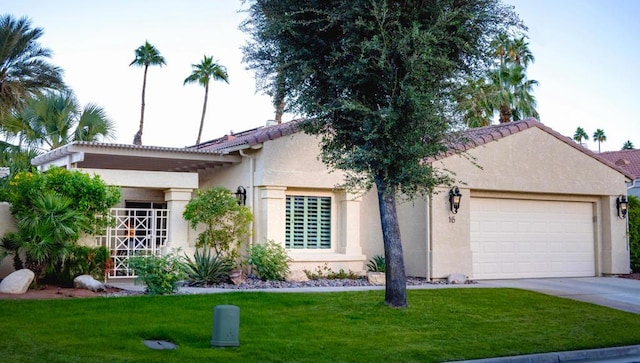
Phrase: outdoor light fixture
[454,199]
[623,205]
[241,195]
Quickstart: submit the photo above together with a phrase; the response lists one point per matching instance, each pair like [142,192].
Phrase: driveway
[613,292]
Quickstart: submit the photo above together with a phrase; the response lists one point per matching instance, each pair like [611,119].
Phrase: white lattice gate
[136,231]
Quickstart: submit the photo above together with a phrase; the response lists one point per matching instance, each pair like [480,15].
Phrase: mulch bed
[55,292]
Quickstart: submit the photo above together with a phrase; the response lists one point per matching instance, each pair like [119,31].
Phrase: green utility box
[226,325]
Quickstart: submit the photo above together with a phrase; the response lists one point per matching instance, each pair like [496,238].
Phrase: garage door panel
[530,238]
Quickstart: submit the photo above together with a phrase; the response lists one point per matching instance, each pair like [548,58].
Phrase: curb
[595,355]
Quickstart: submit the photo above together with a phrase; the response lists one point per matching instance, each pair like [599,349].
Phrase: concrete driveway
[613,292]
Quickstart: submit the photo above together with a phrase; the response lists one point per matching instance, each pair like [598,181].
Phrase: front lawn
[439,325]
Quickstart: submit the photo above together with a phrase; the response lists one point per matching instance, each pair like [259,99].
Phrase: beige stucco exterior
[532,164]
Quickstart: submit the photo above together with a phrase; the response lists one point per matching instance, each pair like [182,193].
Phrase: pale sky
[587,63]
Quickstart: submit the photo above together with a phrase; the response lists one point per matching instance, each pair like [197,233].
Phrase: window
[308,222]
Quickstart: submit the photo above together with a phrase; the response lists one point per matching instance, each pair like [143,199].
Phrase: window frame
[332,221]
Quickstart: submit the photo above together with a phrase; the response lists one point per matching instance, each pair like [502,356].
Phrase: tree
[202,73]
[226,223]
[634,232]
[146,55]
[600,137]
[580,135]
[54,119]
[52,210]
[24,70]
[503,87]
[628,145]
[375,79]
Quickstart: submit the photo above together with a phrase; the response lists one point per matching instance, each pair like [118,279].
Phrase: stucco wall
[7,224]
[528,165]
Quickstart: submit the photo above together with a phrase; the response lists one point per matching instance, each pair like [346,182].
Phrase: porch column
[177,199]
[349,224]
[270,214]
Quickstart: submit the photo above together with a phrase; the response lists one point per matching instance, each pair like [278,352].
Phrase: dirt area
[54,292]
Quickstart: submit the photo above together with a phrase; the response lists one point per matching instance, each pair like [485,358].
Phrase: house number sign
[452,219]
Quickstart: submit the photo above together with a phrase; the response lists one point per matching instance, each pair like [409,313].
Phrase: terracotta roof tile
[628,160]
[468,139]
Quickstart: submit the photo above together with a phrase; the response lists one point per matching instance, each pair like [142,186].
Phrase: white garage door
[513,238]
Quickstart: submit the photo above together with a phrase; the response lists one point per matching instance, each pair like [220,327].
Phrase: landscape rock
[457,278]
[87,282]
[237,277]
[297,276]
[377,278]
[17,282]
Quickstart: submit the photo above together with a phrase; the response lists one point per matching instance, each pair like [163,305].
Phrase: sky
[587,58]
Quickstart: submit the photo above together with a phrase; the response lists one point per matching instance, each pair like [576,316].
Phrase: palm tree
[628,145]
[504,88]
[54,119]
[202,73]
[146,55]
[24,70]
[600,137]
[580,135]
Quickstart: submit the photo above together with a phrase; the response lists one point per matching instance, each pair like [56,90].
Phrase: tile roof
[628,160]
[466,140]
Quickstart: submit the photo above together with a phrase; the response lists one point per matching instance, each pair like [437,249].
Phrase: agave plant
[207,268]
[377,264]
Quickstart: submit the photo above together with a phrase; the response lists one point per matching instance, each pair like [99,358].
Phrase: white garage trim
[517,238]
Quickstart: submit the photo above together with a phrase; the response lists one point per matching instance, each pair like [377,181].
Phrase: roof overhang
[133,157]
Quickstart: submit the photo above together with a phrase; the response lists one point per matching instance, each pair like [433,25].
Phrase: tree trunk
[137,138]
[204,111]
[505,114]
[396,281]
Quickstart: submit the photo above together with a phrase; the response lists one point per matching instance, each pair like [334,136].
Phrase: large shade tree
[24,66]
[202,73]
[146,55]
[375,79]
[54,119]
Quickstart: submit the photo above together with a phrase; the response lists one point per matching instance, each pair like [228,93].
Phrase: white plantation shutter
[308,222]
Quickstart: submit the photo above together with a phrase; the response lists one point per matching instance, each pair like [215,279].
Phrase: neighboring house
[628,160]
[533,203]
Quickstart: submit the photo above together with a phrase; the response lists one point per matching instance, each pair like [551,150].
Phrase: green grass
[439,325]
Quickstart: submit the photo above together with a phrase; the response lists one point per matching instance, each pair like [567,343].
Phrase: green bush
[80,260]
[634,232]
[160,274]
[377,264]
[206,268]
[325,272]
[226,223]
[270,261]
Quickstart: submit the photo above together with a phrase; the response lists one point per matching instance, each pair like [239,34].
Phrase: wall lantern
[454,199]
[241,195]
[623,206]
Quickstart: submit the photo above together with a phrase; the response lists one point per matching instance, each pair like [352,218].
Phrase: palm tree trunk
[204,111]
[137,138]
[396,281]
[505,114]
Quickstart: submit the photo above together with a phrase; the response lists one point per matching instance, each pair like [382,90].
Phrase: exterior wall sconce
[241,195]
[454,199]
[622,204]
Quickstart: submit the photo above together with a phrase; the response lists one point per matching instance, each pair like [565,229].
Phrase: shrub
[206,268]
[325,272]
[377,264]
[160,274]
[226,223]
[270,261]
[634,232]
[80,260]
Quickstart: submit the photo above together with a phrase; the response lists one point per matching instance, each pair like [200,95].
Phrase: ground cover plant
[438,325]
